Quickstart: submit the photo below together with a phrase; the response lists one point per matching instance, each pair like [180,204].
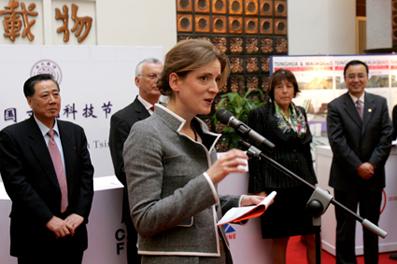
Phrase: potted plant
[239,105]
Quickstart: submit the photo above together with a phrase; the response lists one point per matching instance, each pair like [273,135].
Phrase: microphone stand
[317,203]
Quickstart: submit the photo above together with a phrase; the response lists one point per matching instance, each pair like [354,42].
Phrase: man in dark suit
[394,117]
[394,137]
[359,132]
[147,73]
[47,172]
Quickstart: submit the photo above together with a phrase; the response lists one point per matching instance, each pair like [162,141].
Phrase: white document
[238,214]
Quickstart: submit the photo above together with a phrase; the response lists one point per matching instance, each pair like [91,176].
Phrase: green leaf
[239,105]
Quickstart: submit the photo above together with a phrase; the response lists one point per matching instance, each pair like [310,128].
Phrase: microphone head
[223,116]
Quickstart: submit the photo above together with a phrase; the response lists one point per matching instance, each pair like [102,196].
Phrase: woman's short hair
[189,55]
[279,76]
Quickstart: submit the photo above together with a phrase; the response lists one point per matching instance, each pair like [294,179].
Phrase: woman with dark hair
[171,166]
[284,124]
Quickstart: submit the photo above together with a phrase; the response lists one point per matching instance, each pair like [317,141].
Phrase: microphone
[225,117]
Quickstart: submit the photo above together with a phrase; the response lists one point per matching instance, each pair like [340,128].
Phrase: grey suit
[172,201]
[353,142]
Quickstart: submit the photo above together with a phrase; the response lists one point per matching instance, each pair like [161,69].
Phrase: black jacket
[394,122]
[31,182]
[290,151]
[120,126]
[354,141]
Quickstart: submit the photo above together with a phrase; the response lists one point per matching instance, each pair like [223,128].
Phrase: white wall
[379,24]
[321,27]
[116,22]
[137,22]
[314,26]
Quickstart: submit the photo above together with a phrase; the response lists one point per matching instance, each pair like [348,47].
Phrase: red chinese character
[81,27]
[14,19]
[79,24]
[65,20]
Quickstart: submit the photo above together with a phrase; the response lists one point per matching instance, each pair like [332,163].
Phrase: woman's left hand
[251,200]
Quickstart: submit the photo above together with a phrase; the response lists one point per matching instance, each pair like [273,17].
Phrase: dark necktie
[59,170]
[152,108]
[359,107]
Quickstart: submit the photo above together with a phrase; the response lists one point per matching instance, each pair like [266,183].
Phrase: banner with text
[95,82]
[320,80]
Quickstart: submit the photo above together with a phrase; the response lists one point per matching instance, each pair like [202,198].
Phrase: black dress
[287,216]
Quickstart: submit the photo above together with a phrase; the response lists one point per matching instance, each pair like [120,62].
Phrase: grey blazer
[174,205]
[120,126]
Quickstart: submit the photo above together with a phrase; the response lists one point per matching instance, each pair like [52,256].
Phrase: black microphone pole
[318,202]
[225,117]
[324,197]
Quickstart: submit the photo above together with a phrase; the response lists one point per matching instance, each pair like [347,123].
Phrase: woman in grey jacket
[171,167]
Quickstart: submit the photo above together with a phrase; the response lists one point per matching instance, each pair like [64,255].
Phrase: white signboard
[95,82]
[320,80]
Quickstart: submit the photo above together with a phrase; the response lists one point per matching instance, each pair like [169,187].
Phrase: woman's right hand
[234,160]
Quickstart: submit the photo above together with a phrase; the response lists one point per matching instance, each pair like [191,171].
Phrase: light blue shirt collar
[44,129]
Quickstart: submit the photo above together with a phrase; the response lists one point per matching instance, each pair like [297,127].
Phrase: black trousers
[132,250]
[368,202]
[60,257]
[66,250]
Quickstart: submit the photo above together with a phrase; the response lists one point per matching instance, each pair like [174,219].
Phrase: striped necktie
[359,108]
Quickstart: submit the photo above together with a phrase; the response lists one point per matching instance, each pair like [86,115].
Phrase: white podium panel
[106,234]
[107,237]
[323,158]
[245,241]
[5,209]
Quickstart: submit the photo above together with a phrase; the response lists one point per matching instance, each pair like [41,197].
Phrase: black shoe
[393,256]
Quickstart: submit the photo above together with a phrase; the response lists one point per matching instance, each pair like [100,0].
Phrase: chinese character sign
[19,20]
[82,24]
[89,96]
[10,114]
[16,18]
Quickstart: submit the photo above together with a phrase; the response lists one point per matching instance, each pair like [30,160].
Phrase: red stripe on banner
[305,68]
[378,67]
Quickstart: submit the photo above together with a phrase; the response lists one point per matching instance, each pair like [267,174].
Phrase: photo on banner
[320,79]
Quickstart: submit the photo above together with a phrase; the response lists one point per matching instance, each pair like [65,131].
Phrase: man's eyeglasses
[151,76]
